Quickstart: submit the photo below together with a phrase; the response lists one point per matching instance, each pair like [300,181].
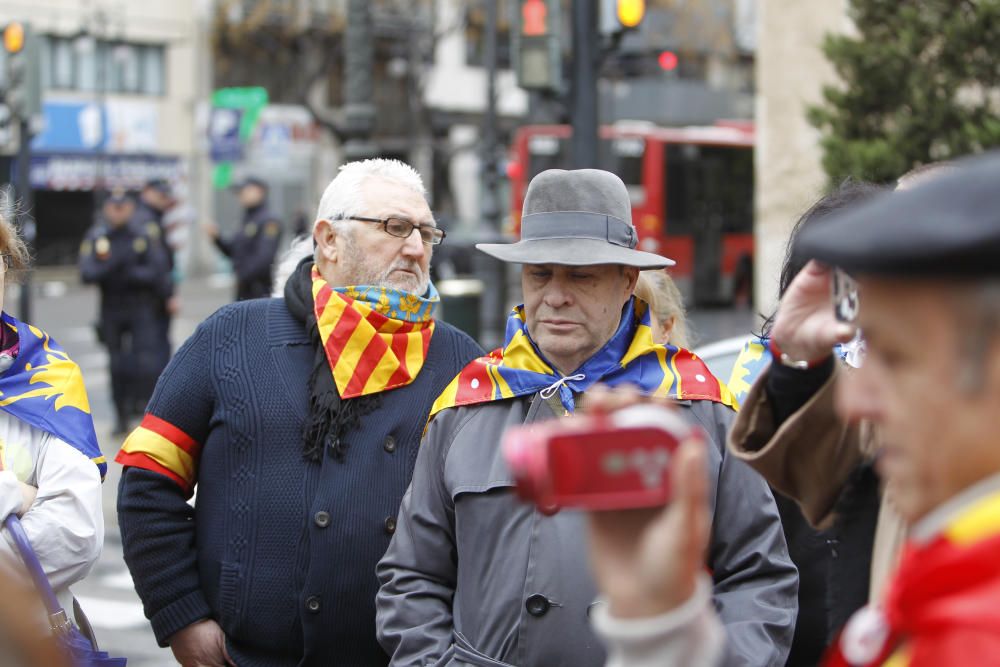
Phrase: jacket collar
[938,520]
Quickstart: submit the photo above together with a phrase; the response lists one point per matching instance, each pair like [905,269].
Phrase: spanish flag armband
[159,446]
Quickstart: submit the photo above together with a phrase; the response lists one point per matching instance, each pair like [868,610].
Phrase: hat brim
[573,252]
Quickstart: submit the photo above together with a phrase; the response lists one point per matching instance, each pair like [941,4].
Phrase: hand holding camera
[645,556]
[605,460]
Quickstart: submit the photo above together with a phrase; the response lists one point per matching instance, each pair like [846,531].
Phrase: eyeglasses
[402,228]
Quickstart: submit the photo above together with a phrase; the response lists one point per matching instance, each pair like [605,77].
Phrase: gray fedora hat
[578,218]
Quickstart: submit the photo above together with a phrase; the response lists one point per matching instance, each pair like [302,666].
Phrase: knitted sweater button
[322,519]
[312,604]
[390,524]
[389,445]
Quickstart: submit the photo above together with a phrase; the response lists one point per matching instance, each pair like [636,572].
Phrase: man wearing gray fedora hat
[472,575]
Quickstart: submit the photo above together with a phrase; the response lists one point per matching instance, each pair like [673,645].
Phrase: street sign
[234,116]
[224,135]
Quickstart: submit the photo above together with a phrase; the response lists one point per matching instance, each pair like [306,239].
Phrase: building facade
[791,73]
[120,85]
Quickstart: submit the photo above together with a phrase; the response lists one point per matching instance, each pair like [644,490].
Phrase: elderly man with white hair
[297,419]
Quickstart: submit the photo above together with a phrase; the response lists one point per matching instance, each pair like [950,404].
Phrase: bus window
[546,152]
[623,156]
[708,185]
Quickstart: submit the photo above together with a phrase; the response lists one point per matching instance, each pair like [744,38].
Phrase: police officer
[253,247]
[155,199]
[132,269]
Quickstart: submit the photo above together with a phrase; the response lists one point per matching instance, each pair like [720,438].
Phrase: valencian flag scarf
[44,388]
[375,338]
[630,357]
[944,596]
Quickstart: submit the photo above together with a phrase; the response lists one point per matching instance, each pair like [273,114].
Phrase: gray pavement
[68,311]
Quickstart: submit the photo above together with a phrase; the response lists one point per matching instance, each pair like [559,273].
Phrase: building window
[124,69]
[153,70]
[91,65]
[89,76]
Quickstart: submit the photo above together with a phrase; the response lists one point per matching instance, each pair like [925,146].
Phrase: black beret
[947,225]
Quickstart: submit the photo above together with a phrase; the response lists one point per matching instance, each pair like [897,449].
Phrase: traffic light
[23,77]
[13,37]
[630,12]
[535,45]
[667,61]
[619,16]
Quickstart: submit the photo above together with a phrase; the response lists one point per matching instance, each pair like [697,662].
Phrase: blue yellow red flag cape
[630,357]
[44,388]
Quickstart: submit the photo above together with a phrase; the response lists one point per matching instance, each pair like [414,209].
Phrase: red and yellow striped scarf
[375,338]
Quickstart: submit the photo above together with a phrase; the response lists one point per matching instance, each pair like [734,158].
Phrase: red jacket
[942,605]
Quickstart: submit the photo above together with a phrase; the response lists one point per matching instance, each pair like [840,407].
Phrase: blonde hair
[658,289]
[12,244]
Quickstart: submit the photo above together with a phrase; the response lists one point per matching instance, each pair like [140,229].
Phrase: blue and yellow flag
[630,357]
[754,358]
[44,388]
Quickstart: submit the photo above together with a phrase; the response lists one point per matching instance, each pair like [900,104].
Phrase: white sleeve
[65,524]
[10,494]
[688,636]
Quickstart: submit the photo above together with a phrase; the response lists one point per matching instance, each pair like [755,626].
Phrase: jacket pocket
[466,654]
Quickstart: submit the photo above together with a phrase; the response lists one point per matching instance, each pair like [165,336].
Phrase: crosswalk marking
[120,579]
[112,614]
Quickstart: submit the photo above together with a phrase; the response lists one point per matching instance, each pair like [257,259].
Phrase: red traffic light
[667,61]
[534,18]
[514,170]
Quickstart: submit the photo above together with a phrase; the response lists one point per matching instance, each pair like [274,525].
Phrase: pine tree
[919,82]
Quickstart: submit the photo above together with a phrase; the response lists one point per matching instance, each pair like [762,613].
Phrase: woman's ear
[666,326]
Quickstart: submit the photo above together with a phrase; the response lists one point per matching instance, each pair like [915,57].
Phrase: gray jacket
[473,576]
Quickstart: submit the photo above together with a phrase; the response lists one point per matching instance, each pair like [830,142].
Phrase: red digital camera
[600,462]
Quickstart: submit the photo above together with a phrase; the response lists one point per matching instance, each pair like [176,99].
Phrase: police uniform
[131,267]
[150,220]
[252,250]
[940,606]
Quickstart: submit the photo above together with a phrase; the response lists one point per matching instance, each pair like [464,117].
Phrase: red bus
[691,190]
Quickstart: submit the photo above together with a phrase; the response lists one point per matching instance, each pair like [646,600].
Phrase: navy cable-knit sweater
[280,551]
